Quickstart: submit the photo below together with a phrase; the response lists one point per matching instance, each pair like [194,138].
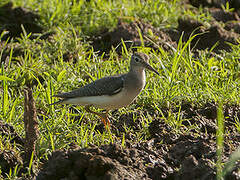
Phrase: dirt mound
[193,152]
[182,157]
[9,156]
[131,34]
[168,38]
[139,32]
[12,20]
[8,130]
[215,3]
[208,37]
[104,162]
[166,155]
[214,33]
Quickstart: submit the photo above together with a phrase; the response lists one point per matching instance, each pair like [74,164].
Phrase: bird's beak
[151,68]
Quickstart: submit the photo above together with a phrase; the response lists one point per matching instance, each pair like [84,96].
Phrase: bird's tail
[58,102]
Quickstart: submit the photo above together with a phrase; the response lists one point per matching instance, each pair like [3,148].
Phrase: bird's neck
[137,76]
[137,71]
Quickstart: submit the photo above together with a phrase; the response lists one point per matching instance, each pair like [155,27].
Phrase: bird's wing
[105,86]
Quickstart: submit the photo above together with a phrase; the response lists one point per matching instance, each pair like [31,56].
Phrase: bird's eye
[137,59]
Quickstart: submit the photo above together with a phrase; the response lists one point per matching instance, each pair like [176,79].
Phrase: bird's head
[140,61]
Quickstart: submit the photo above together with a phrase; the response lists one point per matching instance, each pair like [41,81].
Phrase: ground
[165,154]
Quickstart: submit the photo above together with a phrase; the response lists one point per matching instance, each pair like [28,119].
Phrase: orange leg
[103,116]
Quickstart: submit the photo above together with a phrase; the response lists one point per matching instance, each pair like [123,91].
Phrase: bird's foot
[105,120]
[103,117]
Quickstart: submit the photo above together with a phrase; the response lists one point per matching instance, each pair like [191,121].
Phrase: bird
[111,92]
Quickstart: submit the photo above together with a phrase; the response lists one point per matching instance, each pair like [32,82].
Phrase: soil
[12,21]
[166,154]
[214,33]
[215,3]
[167,39]
[9,156]
[129,33]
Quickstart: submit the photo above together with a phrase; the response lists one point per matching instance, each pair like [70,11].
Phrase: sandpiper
[111,92]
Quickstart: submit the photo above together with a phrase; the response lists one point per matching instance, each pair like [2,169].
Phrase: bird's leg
[103,116]
[106,117]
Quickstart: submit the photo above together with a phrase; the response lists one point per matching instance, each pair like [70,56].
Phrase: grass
[183,77]
[220,140]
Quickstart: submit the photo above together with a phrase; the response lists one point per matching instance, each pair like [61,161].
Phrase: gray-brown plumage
[113,91]
[99,87]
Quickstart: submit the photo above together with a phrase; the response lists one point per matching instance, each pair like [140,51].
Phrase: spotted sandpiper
[111,92]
